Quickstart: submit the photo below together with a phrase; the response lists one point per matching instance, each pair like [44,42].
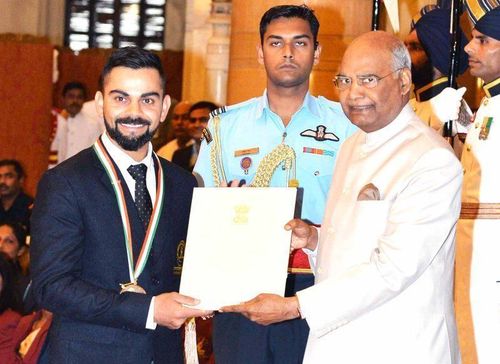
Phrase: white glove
[446,105]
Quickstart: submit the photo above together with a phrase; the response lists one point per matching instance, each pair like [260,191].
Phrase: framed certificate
[236,244]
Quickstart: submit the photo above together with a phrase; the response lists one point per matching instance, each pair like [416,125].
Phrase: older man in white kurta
[384,272]
[384,265]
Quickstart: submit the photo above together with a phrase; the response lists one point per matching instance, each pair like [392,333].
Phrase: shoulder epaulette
[218,111]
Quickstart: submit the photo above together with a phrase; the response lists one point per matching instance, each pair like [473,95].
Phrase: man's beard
[422,75]
[130,143]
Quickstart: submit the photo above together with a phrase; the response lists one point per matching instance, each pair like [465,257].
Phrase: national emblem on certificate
[236,244]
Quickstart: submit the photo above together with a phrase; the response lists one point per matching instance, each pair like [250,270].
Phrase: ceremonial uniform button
[476,125]
[485,103]
[316,173]
[469,147]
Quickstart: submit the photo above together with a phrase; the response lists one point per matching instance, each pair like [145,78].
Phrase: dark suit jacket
[79,260]
[182,157]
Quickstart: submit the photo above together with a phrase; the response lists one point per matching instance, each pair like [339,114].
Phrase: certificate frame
[236,244]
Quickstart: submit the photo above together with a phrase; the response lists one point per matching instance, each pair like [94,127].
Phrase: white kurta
[75,134]
[384,272]
[481,166]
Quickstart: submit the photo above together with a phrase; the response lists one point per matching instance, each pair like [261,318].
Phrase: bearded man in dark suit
[107,227]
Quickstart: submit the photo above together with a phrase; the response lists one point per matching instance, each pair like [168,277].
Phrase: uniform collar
[432,89]
[309,104]
[492,89]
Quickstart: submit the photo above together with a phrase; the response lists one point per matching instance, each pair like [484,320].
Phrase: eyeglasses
[201,119]
[368,81]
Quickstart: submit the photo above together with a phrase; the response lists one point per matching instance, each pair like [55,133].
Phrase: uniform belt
[476,210]
[299,263]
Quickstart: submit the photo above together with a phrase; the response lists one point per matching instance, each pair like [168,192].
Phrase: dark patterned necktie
[142,198]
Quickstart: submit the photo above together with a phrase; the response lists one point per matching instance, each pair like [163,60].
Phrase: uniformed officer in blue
[248,140]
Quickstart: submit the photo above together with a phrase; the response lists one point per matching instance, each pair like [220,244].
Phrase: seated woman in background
[10,307]
[21,337]
[13,245]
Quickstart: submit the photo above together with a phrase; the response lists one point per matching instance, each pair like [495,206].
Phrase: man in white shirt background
[75,130]
[182,138]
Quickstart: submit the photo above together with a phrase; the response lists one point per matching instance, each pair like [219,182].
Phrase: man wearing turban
[479,224]
[429,45]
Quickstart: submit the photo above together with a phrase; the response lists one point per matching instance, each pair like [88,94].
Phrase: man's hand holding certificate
[266,309]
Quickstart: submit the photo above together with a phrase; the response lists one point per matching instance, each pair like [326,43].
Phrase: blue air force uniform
[248,132]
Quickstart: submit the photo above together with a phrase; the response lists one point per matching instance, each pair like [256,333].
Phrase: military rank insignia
[485,127]
[220,110]
[206,135]
[320,134]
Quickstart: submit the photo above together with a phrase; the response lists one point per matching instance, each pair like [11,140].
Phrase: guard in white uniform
[479,225]
[428,43]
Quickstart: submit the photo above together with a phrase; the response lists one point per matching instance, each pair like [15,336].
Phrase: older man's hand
[266,309]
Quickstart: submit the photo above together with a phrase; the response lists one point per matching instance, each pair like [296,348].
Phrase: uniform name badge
[134,271]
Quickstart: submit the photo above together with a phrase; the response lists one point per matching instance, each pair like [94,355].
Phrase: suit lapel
[101,172]
[166,221]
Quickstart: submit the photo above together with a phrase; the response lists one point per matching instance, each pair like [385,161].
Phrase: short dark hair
[290,11]
[14,163]
[19,231]
[203,105]
[74,85]
[135,58]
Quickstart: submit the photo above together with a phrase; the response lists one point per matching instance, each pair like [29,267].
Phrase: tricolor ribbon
[142,259]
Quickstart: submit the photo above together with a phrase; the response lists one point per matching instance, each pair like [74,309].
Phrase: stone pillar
[217,62]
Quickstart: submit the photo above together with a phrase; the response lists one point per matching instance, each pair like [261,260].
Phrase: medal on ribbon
[134,271]
[485,127]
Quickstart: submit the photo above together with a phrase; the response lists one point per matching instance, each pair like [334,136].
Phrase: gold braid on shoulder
[281,155]
[216,155]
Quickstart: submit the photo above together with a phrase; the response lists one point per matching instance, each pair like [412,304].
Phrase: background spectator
[15,205]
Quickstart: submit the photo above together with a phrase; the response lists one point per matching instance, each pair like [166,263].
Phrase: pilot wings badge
[320,134]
